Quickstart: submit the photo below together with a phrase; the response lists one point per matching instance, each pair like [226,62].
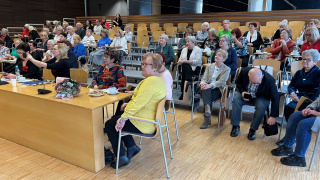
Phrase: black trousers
[288,111]
[113,135]
[245,60]
[187,73]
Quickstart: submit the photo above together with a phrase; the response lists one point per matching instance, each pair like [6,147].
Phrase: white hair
[205,23]
[192,39]
[311,52]
[165,36]
[71,28]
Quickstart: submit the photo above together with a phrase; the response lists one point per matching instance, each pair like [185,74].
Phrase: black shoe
[235,131]
[282,151]
[294,160]
[131,152]
[252,134]
[181,97]
[123,161]
[280,143]
[108,156]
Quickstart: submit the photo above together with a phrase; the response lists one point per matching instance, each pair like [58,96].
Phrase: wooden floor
[200,154]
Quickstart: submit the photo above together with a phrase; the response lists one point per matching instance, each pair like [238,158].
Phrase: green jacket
[168,52]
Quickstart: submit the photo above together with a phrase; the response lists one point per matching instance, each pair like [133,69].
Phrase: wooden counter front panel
[70,133]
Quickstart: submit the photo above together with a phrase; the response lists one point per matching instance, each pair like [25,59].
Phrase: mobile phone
[247,96]
[24,55]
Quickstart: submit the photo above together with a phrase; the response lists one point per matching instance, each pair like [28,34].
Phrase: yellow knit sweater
[143,104]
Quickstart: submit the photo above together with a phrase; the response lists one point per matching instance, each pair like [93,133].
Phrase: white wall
[108,7]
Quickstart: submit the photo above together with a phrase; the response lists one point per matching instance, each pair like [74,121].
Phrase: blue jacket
[79,50]
[103,41]
[72,59]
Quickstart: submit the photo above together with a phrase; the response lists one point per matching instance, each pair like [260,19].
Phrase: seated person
[166,49]
[240,44]
[57,36]
[282,46]
[312,39]
[59,65]
[226,29]
[33,34]
[71,33]
[166,76]
[182,42]
[212,83]
[127,33]
[96,56]
[27,69]
[305,82]
[4,51]
[72,58]
[298,130]
[25,33]
[120,44]
[43,44]
[4,36]
[190,61]
[203,34]
[232,60]
[65,26]
[143,104]
[110,73]
[117,22]
[63,37]
[97,28]
[49,54]
[211,43]
[79,49]
[261,88]
[104,23]
[33,50]
[311,23]
[282,25]
[88,25]
[13,54]
[88,39]
[80,31]
[253,36]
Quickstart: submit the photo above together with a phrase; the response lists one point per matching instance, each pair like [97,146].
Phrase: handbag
[270,130]
[222,116]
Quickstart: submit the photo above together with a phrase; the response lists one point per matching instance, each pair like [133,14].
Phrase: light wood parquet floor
[200,154]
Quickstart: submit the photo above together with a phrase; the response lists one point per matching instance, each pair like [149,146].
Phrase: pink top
[166,76]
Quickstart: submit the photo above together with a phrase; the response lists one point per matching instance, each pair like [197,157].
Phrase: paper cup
[14,82]
[22,79]
[258,51]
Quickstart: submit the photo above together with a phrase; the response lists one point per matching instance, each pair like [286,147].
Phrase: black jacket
[32,72]
[257,42]
[81,32]
[266,89]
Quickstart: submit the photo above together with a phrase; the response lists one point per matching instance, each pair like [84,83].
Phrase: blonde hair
[314,33]
[31,28]
[224,53]
[65,23]
[120,32]
[283,23]
[63,50]
[71,28]
[106,31]
[77,37]
[156,60]
[45,34]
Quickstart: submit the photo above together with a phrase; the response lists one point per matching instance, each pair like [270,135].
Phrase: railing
[71,21]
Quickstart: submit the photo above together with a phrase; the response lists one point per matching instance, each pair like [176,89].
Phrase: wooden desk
[70,130]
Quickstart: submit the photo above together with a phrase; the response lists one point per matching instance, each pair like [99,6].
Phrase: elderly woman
[203,34]
[240,44]
[305,82]
[283,24]
[312,39]
[128,34]
[97,28]
[110,73]
[232,60]
[3,49]
[79,49]
[253,36]
[6,38]
[71,33]
[96,56]
[43,45]
[46,30]
[166,76]
[25,32]
[56,24]
[190,61]
[59,64]
[166,49]
[211,43]
[64,27]
[33,34]
[26,67]
[88,25]
[120,43]
[143,104]
[48,25]
[49,54]
[311,23]
[58,32]
[282,46]
[13,54]
[212,83]
[226,29]
[88,39]
[298,130]
[117,22]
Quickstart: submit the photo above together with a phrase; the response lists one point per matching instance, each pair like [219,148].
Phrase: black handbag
[270,130]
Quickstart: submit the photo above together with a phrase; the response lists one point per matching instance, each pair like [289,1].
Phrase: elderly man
[226,30]
[255,87]
[80,31]
[6,38]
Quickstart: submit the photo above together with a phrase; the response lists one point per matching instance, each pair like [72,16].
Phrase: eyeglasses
[222,41]
[308,35]
[55,49]
[20,52]
[145,64]
[307,60]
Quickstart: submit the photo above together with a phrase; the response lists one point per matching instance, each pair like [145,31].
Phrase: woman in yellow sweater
[143,104]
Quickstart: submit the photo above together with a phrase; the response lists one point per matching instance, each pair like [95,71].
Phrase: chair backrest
[96,37]
[272,23]
[142,25]
[204,60]
[318,63]
[296,31]
[154,25]
[297,23]
[115,28]
[302,98]
[132,26]
[165,25]
[243,29]
[155,29]
[160,108]
[251,50]
[47,75]
[79,75]
[269,62]
[229,80]
[182,26]
[171,31]
[219,29]
[267,49]
[142,28]
[175,59]
[156,35]
[234,25]
[239,63]
[173,71]
[295,66]
[142,33]
[197,26]
[141,39]
[215,25]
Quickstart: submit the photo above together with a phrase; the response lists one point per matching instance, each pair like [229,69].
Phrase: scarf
[254,36]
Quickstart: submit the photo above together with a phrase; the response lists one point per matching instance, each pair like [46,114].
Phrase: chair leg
[163,150]
[167,127]
[314,151]
[113,109]
[175,119]
[107,111]
[219,114]
[281,128]
[140,141]
[118,153]
[192,101]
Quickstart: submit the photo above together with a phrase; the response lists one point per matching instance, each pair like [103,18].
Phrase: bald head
[255,75]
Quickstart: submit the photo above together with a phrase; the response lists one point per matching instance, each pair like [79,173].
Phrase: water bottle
[17,73]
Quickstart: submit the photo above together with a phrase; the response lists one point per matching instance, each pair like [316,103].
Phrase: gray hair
[59,28]
[128,26]
[27,26]
[226,21]
[165,36]
[213,32]
[205,23]
[223,52]
[311,52]
[227,38]
[55,22]
[51,42]
[4,29]
[70,27]
[314,33]
[192,39]
[89,31]
[283,23]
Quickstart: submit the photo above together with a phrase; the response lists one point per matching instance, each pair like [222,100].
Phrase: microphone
[4,82]
[43,90]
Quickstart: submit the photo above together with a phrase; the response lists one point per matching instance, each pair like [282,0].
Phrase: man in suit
[255,87]
[80,31]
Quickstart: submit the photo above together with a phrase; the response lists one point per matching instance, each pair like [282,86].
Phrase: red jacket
[276,49]
[306,46]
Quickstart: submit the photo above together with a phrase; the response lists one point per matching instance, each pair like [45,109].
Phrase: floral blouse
[241,51]
[109,77]
[212,45]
